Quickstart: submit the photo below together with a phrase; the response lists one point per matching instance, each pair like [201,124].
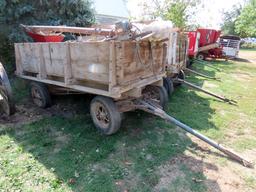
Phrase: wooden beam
[68,67]
[112,66]
[19,69]
[66,29]
[208,47]
[42,69]
[80,88]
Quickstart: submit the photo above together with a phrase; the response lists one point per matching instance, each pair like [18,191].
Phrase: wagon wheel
[182,76]
[5,107]
[168,85]
[6,101]
[189,63]
[40,95]
[157,94]
[201,56]
[105,115]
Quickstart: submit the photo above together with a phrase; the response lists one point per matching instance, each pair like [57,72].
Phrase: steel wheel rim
[101,115]
[36,96]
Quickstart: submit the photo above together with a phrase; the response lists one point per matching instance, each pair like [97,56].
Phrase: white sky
[208,16]
[111,7]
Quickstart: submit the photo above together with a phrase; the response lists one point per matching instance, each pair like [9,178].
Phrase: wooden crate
[116,69]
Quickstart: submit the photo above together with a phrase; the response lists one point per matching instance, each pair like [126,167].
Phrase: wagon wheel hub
[102,115]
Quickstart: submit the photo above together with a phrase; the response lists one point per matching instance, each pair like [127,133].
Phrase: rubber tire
[6,91]
[114,114]
[200,56]
[168,85]
[10,110]
[44,93]
[162,94]
[189,63]
[182,76]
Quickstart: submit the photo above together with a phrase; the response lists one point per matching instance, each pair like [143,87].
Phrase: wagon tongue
[148,106]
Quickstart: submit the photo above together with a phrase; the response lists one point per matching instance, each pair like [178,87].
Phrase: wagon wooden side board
[117,69]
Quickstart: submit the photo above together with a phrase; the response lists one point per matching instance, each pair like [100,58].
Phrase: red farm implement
[203,43]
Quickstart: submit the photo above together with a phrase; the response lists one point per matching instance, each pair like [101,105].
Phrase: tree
[230,17]
[177,11]
[41,12]
[245,24]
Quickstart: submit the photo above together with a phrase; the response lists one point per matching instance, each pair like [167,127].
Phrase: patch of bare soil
[249,55]
[24,113]
[221,174]
[209,85]
[171,171]
[242,76]
[60,141]
[27,112]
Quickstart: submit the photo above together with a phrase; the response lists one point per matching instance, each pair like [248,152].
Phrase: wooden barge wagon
[123,75]
[116,72]
[176,59]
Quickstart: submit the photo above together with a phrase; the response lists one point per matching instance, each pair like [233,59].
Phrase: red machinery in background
[203,43]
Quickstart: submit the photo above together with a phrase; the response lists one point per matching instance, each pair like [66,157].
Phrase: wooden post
[119,64]
[19,70]
[42,69]
[112,66]
[68,67]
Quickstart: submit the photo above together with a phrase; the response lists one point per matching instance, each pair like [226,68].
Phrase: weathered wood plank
[66,29]
[75,87]
[68,68]
[90,61]
[42,69]
[112,66]
[30,57]
[19,69]
[55,58]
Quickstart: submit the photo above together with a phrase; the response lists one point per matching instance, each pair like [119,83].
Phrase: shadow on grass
[84,160]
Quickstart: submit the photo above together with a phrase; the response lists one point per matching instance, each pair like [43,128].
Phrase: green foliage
[248,45]
[43,12]
[177,11]
[246,22]
[230,17]
[177,14]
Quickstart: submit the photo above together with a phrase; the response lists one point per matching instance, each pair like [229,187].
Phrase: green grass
[67,154]
[248,49]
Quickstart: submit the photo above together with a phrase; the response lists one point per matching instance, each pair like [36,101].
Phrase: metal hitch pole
[230,101]
[147,106]
[206,63]
[201,74]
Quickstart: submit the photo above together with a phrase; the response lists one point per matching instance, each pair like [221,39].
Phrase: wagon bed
[117,69]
